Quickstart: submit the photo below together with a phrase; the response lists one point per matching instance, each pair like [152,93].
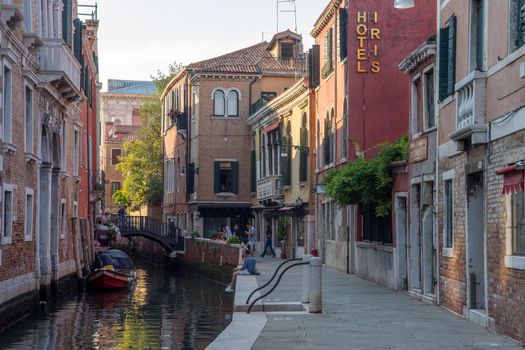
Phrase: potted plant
[282,233]
[195,234]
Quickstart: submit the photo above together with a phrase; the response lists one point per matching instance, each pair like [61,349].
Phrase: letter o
[361,30]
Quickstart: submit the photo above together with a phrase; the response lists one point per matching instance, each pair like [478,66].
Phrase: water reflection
[162,311]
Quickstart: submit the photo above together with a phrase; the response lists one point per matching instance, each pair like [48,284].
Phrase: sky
[137,37]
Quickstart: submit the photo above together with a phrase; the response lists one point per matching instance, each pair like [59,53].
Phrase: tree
[141,164]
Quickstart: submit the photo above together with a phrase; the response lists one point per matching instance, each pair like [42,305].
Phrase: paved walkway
[359,314]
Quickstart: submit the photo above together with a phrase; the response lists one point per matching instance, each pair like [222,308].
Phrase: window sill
[446,101]
[303,183]
[28,238]
[8,148]
[225,118]
[62,236]
[7,240]
[448,252]
[76,178]
[515,262]
[225,194]
[30,158]
[64,174]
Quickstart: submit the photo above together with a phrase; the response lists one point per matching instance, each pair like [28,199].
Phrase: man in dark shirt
[247,268]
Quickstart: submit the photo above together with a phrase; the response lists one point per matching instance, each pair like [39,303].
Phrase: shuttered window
[67,17]
[447,59]
[190,178]
[314,68]
[342,33]
[77,44]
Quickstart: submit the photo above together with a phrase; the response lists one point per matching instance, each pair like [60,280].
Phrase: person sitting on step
[247,268]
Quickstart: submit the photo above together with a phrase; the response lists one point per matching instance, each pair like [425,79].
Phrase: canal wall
[210,258]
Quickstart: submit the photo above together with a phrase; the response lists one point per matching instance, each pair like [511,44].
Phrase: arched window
[233,103]
[332,135]
[344,137]
[326,140]
[303,154]
[218,103]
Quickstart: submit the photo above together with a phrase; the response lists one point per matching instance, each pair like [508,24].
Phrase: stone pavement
[359,314]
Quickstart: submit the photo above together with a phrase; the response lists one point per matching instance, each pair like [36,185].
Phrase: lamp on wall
[403,4]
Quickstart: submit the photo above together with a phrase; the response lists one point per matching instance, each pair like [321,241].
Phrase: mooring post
[316,283]
[306,280]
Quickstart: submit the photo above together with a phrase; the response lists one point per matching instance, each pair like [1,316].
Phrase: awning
[286,209]
[271,126]
[513,179]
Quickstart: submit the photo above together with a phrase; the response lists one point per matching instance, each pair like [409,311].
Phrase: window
[28,111]
[63,218]
[428,81]
[447,59]
[332,135]
[518,223]
[303,161]
[233,103]
[226,177]
[63,164]
[344,137]
[76,156]
[28,216]
[28,18]
[414,108]
[376,229]
[342,37]
[328,66]
[448,218]
[477,35]
[326,140]
[7,225]
[516,24]
[287,51]
[218,103]
[8,104]
[116,154]
[115,186]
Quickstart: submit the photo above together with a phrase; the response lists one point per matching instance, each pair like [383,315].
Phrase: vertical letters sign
[368,36]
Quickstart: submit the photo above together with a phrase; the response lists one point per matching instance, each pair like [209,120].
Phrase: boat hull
[107,280]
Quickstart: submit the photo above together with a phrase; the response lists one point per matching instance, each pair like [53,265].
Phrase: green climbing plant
[367,181]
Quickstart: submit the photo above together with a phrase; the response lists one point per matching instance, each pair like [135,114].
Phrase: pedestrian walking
[268,242]
[252,236]
[171,228]
[121,213]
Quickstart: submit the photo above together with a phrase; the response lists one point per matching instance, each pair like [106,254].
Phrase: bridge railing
[134,224]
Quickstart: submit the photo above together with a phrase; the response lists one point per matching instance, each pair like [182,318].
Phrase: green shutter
[216,179]
[252,172]
[67,16]
[451,55]
[77,45]
[303,165]
[190,178]
[443,63]
[286,162]
[235,177]
[343,16]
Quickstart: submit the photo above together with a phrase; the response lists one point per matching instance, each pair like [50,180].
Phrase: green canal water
[163,310]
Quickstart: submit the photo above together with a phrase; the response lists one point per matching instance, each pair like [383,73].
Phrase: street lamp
[403,4]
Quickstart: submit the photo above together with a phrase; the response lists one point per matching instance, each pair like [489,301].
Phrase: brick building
[331,127]
[119,109]
[418,264]
[40,113]
[379,38]
[213,99]
[481,130]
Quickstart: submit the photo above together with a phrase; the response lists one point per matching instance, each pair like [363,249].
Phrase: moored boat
[113,269]
[107,279]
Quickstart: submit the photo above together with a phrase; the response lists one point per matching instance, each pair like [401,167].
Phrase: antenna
[289,6]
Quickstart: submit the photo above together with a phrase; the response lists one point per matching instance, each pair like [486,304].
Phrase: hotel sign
[418,150]
[368,36]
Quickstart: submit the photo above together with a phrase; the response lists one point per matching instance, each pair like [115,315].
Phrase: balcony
[59,67]
[97,186]
[269,188]
[10,14]
[260,103]
[470,110]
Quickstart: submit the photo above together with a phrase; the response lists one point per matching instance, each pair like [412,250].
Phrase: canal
[163,310]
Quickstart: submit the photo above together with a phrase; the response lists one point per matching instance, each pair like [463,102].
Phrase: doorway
[476,242]
[401,241]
